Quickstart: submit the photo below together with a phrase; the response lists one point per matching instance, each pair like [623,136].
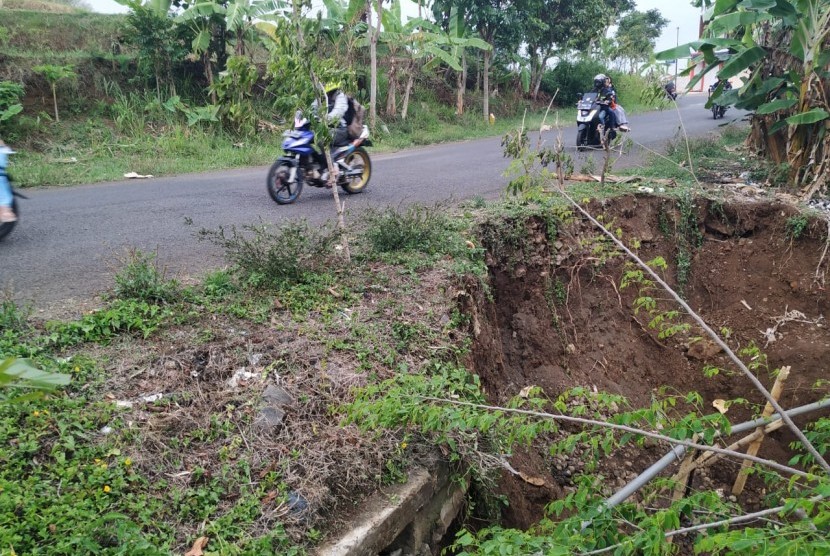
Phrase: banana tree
[459,38]
[241,17]
[206,19]
[782,47]
[345,25]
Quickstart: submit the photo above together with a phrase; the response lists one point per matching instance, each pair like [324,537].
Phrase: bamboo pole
[755,447]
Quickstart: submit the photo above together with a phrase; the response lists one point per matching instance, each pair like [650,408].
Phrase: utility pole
[676,59]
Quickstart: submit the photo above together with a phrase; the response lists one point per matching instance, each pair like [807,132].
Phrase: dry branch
[632,430]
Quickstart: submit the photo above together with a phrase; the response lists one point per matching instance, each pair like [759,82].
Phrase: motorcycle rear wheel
[7,227]
[357,179]
[282,190]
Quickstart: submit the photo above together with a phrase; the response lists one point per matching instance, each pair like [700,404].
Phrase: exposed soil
[558,319]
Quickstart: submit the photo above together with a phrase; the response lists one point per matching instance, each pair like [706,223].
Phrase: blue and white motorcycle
[304,163]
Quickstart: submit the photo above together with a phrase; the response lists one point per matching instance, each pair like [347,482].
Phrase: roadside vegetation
[248,413]
[136,95]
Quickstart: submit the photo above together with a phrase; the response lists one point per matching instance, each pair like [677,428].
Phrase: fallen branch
[703,526]
[625,428]
[619,179]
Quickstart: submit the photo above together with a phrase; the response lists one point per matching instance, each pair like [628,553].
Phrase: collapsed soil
[558,320]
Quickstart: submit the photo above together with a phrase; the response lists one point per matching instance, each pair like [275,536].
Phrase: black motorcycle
[718,110]
[589,130]
[671,90]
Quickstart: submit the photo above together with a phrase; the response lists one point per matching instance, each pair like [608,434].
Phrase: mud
[557,318]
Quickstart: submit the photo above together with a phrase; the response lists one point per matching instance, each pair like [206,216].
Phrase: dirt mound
[558,318]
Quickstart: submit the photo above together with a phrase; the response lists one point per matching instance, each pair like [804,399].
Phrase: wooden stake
[755,447]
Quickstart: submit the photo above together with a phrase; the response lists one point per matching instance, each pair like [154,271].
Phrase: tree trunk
[459,95]
[373,55]
[209,74]
[486,85]
[409,81]
[55,100]
[392,89]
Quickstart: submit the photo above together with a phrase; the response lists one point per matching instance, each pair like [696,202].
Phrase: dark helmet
[599,81]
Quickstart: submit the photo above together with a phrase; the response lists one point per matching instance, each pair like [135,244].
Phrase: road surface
[69,241]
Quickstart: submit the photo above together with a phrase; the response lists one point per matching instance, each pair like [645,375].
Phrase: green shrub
[142,280]
[266,257]
[419,228]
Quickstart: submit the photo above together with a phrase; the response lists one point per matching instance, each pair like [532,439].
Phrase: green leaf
[12,110]
[733,21]
[21,373]
[758,4]
[776,105]
[201,41]
[742,61]
[809,117]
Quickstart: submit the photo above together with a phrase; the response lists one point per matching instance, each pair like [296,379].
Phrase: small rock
[296,503]
[269,418]
[170,364]
[276,396]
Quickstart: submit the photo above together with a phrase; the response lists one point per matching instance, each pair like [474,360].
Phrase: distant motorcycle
[302,164]
[589,130]
[671,90]
[718,110]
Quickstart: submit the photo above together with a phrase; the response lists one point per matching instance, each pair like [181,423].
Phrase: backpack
[354,118]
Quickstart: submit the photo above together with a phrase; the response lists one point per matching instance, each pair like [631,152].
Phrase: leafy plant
[20,373]
[418,228]
[53,75]
[796,225]
[268,257]
[142,280]
[11,94]
[234,90]
[782,46]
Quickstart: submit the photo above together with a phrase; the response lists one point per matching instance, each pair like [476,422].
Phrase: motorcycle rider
[337,105]
[6,213]
[619,111]
[607,117]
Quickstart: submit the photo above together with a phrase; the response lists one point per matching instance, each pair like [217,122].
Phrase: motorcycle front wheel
[281,187]
[7,227]
[582,138]
[357,177]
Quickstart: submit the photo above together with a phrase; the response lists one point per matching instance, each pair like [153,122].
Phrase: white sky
[683,18]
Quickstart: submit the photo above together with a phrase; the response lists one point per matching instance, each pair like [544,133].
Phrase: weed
[266,258]
[122,316]
[418,228]
[589,166]
[142,280]
[796,225]
[12,318]
[218,284]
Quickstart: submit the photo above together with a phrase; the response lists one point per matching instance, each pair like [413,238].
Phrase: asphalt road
[69,241]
